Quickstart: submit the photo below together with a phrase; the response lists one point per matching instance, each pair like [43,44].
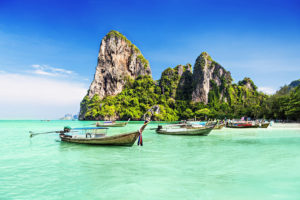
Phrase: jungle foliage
[284,105]
[173,98]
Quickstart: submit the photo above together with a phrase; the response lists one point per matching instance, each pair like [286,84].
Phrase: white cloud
[267,90]
[51,71]
[26,96]
[41,72]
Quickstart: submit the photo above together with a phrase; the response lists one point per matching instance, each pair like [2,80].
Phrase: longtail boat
[112,124]
[192,131]
[265,125]
[125,139]
[242,125]
[219,126]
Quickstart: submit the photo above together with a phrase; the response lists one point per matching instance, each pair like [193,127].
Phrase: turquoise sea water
[227,164]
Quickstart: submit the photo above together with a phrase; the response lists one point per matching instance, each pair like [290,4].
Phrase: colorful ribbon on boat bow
[140,140]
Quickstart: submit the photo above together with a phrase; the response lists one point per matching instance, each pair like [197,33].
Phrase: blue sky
[58,42]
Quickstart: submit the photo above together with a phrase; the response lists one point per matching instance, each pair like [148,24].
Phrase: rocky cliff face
[118,61]
[176,82]
[208,75]
[174,96]
[184,89]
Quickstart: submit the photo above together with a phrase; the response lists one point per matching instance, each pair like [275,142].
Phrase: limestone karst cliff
[118,61]
[207,74]
[123,88]
[177,82]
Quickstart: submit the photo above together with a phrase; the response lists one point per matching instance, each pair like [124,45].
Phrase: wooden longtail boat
[200,131]
[126,139]
[242,125]
[219,126]
[112,124]
[265,125]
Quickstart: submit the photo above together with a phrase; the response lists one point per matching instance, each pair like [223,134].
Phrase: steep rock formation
[176,82]
[248,83]
[118,61]
[184,89]
[208,75]
[123,88]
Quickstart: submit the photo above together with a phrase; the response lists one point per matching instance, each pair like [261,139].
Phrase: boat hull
[127,139]
[190,132]
[219,126]
[265,125]
[234,126]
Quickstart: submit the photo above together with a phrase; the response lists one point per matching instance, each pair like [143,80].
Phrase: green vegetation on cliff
[176,82]
[171,98]
[133,102]
[141,94]
[143,60]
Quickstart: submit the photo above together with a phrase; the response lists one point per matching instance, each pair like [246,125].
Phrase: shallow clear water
[227,164]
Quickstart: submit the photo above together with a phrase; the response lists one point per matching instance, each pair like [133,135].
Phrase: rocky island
[123,88]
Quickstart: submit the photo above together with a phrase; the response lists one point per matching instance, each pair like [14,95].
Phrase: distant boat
[124,139]
[187,130]
[219,126]
[112,124]
[242,125]
[265,125]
